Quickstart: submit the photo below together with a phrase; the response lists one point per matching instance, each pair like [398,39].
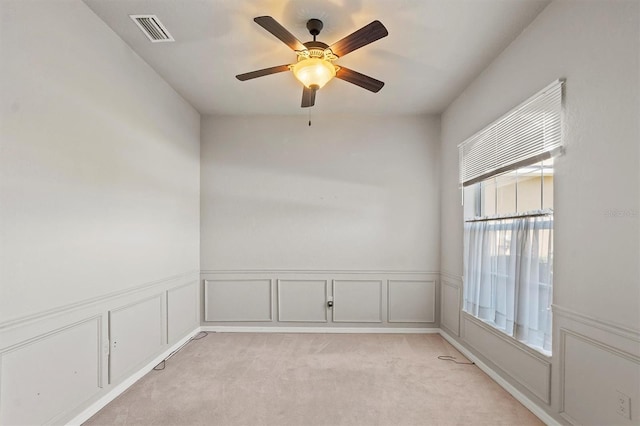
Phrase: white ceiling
[434,49]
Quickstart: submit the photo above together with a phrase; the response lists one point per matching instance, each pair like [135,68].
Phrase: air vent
[152,28]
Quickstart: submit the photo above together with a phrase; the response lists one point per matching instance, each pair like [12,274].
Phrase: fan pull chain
[309,110]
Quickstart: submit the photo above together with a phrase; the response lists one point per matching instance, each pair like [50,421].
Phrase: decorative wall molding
[117,390]
[180,300]
[134,342]
[361,301]
[454,278]
[96,300]
[542,361]
[317,271]
[450,311]
[25,359]
[49,333]
[447,282]
[608,326]
[507,339]
[448,331]
[328,330]
[281,284]
[354,304]
[431,288]
[120,298]
[33,330]
[564,334]
[208,309]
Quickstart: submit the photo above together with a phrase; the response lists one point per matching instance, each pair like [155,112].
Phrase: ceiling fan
[314,67]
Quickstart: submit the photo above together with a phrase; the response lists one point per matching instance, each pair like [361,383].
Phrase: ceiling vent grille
[152,28]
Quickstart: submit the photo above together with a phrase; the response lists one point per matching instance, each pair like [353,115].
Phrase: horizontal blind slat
[529,131]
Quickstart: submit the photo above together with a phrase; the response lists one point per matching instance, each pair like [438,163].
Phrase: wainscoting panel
[183,313]
[247,298]
[135,335]
[238,300]
[357,301]
[412,301]
[450,306]
[54,365]
[598,360]
[531,371]
[593,375]
[302,300]
[48,375]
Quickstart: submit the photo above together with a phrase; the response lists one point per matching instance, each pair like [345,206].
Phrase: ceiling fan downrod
[314,26]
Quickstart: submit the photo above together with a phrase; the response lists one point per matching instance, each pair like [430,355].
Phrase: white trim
[333,294]
[315,271]
[126,383]
[205,283]
[564,333]
[524,400]
[447,330]
[279,301]
[445,282]
[610,327]
[98,320]
[448,283]
[435,299]
[193,275]
[328,330]
[452,277]
[196,307]
[546,363]
[110,319]
[490,328]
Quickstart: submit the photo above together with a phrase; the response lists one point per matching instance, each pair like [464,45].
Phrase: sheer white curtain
[508,275]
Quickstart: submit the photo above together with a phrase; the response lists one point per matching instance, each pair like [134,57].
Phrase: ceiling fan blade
[271,25]
[262,73]
[358,79]
[365,35]
[308,97]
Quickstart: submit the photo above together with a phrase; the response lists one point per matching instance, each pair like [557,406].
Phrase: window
[506,171]
[508,258]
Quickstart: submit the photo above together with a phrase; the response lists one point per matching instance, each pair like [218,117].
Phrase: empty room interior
[320,212]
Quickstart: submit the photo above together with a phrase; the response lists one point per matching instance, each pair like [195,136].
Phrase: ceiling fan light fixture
[315,67]
[314,72]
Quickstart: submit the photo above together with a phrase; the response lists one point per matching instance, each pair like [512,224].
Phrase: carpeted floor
[315,379]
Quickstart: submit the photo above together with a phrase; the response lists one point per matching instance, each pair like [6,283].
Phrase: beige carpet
[315,379]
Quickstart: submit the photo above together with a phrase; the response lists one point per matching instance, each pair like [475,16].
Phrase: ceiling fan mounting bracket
[314,26]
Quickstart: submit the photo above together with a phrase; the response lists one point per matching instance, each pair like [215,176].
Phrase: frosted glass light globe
[314,72]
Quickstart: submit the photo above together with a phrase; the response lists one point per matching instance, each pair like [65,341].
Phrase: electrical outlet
[623,405]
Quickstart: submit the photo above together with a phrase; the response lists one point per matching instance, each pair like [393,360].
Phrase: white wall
[347,193]
[595,46]
[99,213]
[293,216]
[99,163]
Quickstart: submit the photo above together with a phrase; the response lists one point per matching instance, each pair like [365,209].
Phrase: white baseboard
[125,384]
[327,330]
[522,398]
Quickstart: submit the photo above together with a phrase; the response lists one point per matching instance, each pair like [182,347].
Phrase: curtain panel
[508,266]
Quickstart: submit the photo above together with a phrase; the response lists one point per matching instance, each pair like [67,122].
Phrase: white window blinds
[529,133]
